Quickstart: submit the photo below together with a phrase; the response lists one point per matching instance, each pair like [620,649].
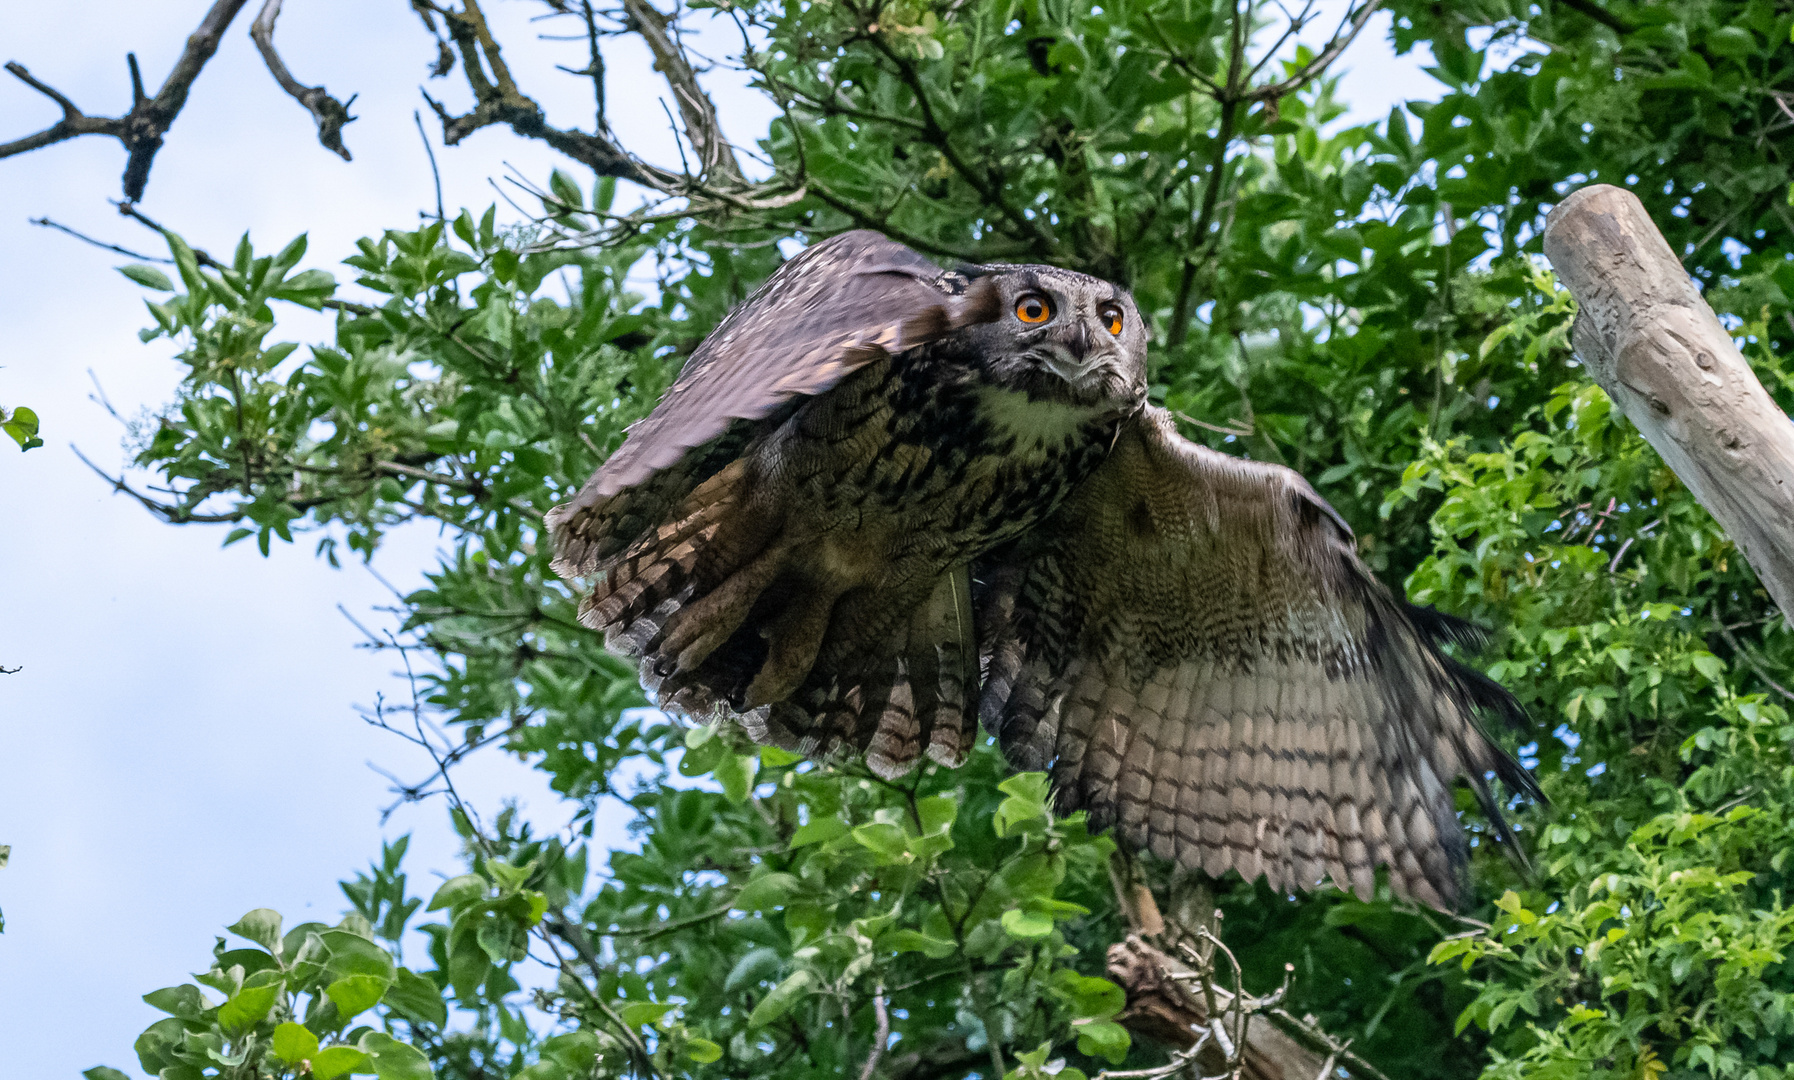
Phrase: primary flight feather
[884,501]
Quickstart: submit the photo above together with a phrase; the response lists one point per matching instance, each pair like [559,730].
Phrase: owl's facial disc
[1071,338]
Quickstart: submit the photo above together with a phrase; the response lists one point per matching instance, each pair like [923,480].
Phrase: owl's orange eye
[1033,308]
[1111,316]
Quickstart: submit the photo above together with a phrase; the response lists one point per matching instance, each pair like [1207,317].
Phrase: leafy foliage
[1358,302]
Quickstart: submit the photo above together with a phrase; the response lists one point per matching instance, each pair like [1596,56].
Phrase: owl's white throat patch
[1035,423]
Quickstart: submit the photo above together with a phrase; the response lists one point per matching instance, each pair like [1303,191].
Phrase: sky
[181,743]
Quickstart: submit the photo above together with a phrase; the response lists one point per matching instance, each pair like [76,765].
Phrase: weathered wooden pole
[1658,350]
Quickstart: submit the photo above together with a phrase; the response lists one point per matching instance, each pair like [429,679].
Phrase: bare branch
[1347,33]
[169,512]
[497,100]
[329,113]
[200,255]
[74,122]
[702,129]
[148,121]
[140,130]
[86,239]
[430,152]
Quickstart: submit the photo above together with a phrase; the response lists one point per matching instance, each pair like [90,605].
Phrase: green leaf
[355,994]
[766,892]
[147,276]
[1104,1039]
[1026,805]
[819,830]
[107,1072]
[338,1061]
[565,190]
[1089,997]
[885,840]
[702,1051]
[773,757]
[293,1043]
[261,926]
[574,1049]
[645,1013]
[1732,41]
[21,424]
[783,997]
[185,1001]
[248,1006]
[736,772]
[458,891]
[754,966]
[903,940]
[394,1060]
[416,998]
[937,812]
[1027,924]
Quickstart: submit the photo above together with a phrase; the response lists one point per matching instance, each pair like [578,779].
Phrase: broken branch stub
[1659,351]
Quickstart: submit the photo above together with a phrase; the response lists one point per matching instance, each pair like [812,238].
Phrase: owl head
[1060,336]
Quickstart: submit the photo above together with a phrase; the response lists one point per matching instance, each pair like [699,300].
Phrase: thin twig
[435,174]
[1332,1062]
[1348,32]
[702,128]
[84,238]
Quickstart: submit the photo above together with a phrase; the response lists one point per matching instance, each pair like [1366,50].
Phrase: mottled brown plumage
[883,499]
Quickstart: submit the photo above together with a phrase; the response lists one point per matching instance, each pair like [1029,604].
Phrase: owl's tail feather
[896,689]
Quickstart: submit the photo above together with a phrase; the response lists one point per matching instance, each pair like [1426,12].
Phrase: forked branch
[141,129]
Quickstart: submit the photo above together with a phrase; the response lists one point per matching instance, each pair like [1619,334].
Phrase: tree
[1361,303]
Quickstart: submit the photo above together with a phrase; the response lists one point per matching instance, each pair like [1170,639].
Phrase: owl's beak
[1077,355]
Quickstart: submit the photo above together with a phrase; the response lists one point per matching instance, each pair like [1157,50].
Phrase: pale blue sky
[181,746]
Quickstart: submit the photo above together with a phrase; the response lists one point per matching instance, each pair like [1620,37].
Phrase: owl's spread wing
[1194,650]
[835,307]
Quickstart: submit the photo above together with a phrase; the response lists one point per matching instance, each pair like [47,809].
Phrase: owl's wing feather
[1193,648]
[835,307]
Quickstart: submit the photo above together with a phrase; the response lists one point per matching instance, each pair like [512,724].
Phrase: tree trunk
[1659,351]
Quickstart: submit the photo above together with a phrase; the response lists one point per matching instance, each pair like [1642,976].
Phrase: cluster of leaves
[288,1006]
[1354,301]
[1656,934]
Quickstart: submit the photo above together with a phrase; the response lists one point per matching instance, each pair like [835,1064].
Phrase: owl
[884,502]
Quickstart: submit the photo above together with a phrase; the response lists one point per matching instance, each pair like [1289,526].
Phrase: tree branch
[1654,345]
[140,130]
[74,122]
[702,128]
[497,100]
[1341,40]
[329,113]
[86,239]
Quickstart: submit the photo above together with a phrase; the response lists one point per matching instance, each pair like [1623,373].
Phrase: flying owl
[884,501]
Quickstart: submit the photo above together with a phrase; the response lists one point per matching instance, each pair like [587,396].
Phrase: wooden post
[1658,350]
